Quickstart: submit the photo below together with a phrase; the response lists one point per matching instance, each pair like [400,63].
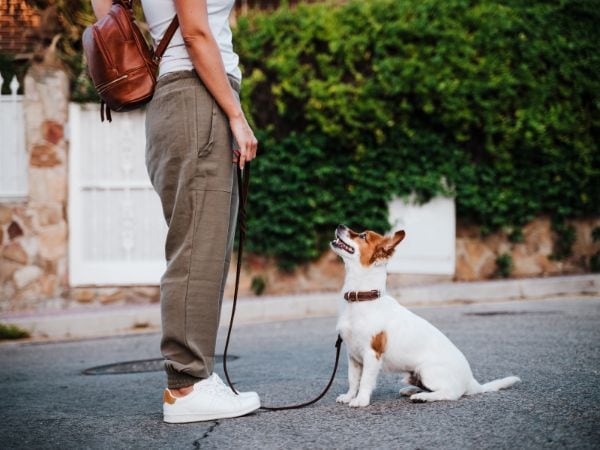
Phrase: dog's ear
[385,249]
[393,241]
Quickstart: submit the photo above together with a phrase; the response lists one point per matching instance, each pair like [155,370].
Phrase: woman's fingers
[254,146]
[248,150]
[251,149]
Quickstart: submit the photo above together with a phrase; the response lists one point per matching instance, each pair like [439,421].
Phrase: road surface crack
[198,442]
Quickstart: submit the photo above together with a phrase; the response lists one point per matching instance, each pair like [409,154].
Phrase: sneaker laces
[216,385]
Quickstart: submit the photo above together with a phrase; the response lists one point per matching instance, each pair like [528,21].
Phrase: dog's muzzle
[338,243]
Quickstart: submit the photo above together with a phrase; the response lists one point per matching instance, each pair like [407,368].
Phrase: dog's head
[368,248]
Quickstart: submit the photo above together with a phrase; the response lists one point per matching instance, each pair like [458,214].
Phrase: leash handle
[243,184]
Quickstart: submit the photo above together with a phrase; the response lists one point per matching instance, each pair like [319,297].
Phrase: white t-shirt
[159,14]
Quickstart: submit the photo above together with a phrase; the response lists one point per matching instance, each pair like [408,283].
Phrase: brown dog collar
[362,296]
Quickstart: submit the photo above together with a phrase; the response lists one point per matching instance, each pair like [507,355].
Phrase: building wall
[17,22]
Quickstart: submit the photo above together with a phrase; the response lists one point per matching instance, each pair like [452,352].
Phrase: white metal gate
[116,226]
[13,157]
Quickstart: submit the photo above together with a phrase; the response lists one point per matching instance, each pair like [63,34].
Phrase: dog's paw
[359,402]
[344,398]
[418,398]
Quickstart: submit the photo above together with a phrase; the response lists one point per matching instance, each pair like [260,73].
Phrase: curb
[492,291]
[87,323]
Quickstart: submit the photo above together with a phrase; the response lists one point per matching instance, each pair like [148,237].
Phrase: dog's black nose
[341,227]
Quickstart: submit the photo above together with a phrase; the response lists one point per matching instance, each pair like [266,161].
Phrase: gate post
[43,216]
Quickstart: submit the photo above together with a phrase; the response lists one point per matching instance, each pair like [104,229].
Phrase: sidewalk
[106,321]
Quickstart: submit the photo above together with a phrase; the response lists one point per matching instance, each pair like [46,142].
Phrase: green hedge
[495,102]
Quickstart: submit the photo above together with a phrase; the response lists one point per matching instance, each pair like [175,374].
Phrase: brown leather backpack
[121,64]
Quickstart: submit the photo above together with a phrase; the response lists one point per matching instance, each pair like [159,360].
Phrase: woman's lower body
[189,160]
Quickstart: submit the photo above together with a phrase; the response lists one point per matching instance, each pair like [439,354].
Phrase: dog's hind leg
[368,379]
[414,385]
[440,384]
[354,373]
[409,390]
[435,396]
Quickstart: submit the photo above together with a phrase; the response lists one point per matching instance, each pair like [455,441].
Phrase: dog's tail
[492,386]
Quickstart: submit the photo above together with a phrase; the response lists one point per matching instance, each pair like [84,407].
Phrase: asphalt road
[46,402]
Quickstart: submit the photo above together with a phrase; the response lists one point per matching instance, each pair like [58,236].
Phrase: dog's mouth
[338,243]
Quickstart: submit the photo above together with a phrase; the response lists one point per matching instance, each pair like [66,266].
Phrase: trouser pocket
[207,115]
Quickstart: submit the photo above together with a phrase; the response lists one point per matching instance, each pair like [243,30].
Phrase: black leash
[243,183]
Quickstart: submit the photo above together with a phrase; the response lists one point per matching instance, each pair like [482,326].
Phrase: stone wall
[33,233]
[476,254]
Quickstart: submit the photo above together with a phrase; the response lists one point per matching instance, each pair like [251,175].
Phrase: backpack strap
[164,42]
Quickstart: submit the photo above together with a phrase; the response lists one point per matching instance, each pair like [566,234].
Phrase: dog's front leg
[354,372]
[368,379]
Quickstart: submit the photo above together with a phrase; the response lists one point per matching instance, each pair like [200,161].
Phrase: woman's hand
[245,138]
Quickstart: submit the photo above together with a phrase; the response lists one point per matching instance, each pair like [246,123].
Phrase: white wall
[429,245]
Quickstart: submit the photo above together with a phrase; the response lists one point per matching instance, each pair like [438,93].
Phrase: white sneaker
[211,399]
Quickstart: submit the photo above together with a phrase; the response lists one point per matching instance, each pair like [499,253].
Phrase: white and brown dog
[381,334]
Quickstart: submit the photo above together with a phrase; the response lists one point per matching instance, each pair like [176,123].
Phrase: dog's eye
[363,236]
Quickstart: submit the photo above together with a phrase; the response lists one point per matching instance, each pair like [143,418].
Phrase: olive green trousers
[189,160]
